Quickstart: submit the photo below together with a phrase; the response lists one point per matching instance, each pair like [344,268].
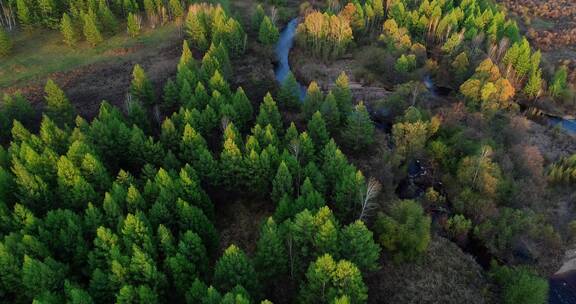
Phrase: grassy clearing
[40,53]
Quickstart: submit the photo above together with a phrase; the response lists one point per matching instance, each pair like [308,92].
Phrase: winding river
[285,43]
[282,69]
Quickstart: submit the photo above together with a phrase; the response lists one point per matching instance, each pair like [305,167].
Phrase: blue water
[285,43]
[568,125]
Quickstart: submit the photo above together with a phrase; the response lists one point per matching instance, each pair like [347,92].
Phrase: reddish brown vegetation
[561,12]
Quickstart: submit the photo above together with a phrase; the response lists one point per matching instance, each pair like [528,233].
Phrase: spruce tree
[269,113]
[91,30]
[359,131]
[141,88]
[243,108]
[317,131]
[330,112]
[5,43]
[358,246]
[271,259]
[133,25]
[282,183]
[234,268]
[289,95]
[258,17]
[58,107]
[268,33]
[170,97]
[68,31]
[109,22]
[24,14]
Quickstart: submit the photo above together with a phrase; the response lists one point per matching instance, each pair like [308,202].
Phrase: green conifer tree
[68,31]
[313,100]
[268,33]
[58,107]
[109,22]
[327,280]
[133,25]
[282,183]
[243,108]
[318,131]
[271,259]
[5,43]
[141,88]
[359,131]
[269,113]
[234,268]
[289,95]
[24,14]
[258,17]
[343,96]
[91,30]
[330,112]
[357,245]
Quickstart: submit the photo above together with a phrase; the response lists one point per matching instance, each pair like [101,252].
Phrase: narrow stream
[285,43]
[568,125]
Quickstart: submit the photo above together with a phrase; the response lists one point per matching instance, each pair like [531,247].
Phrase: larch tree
[343,96]
[133,25]
[328,280]
[68,31]
[176,9]
[91,30]
[58,107]
[269,113]
[24,14]
[268,33]
[141,88]
[313,100]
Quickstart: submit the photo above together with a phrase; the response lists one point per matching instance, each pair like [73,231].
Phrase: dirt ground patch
[88,86]
[239,223]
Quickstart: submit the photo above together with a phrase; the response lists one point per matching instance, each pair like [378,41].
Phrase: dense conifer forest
[416,151]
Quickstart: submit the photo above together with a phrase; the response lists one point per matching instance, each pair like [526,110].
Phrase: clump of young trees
[489,88]
[114,210]
[324,35]
[206,24]
[563,171]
